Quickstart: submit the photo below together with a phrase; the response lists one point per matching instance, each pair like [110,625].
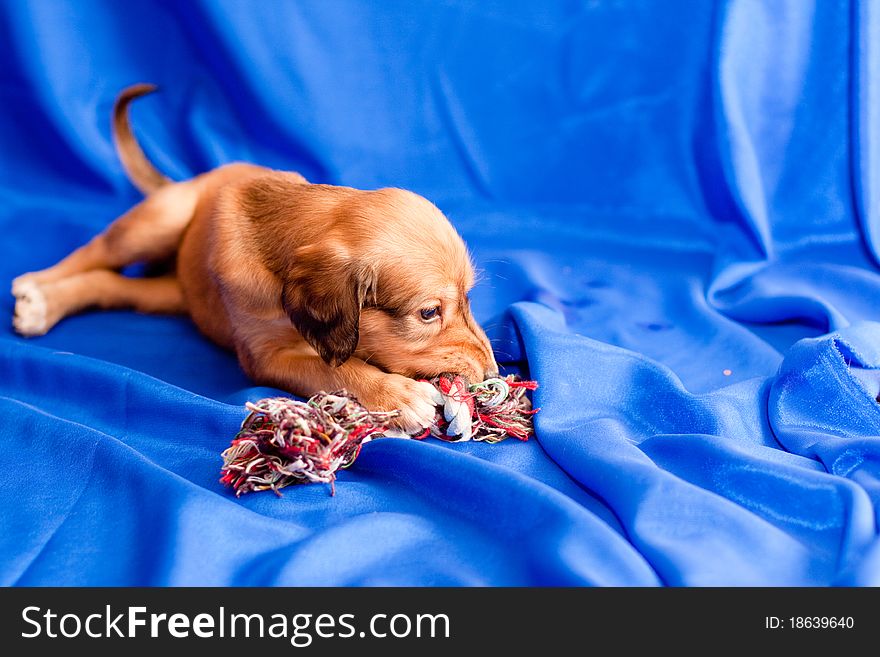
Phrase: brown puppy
[315,287]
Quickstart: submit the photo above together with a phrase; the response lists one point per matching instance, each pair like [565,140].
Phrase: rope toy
[285,441]
[489,411]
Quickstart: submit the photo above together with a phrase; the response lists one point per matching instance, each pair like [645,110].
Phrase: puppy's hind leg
[150,231]
[42,306]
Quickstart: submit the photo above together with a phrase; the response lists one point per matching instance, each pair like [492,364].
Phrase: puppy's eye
[430,314]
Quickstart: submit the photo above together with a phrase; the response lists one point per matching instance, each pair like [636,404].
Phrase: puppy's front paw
[419,410]
[417,402]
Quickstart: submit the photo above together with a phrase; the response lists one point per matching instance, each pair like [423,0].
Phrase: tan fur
[315,287]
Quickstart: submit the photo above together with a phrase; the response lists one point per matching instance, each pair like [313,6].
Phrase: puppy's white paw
[417,402]
[21,283]
[31,308]
[420,410]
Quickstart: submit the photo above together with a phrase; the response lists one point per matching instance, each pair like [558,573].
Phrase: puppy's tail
[140,170]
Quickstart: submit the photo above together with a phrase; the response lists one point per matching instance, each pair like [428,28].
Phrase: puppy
[315,287]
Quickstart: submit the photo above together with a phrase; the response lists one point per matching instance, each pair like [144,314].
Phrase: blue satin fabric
[674,207]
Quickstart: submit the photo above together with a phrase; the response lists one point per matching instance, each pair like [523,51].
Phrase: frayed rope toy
[284,441]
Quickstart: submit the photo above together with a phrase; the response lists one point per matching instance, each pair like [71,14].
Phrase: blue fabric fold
[673,208]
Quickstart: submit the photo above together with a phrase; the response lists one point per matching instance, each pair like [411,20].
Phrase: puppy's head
[388,282]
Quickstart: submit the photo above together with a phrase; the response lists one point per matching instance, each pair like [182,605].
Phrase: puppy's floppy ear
[323,294]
